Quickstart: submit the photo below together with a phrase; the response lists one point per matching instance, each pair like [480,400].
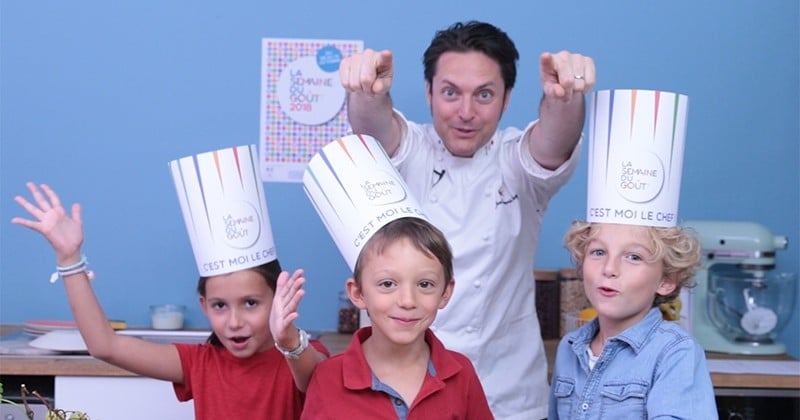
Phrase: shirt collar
[635,336]
[358,375]
[355,369]
[442,155]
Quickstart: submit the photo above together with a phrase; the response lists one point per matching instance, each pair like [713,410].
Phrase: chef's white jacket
[490,208]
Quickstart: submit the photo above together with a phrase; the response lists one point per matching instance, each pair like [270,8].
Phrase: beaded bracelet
[79,267]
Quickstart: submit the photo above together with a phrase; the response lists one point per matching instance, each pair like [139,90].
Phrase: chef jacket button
[476,284]
[434,199]
[486,238]
[584,406]
[470,330]
[487,193]
[439,157]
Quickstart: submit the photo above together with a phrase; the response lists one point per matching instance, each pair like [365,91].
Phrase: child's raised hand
[65,233]
[288,294]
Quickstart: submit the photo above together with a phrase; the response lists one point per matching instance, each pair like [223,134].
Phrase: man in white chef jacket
[486,188]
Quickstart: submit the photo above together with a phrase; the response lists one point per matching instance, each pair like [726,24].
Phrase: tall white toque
[225,210]
[636,144]
[355,189]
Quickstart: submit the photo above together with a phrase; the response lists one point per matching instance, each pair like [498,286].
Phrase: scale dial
[759,321]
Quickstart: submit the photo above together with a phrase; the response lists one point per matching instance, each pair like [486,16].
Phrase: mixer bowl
[750,306]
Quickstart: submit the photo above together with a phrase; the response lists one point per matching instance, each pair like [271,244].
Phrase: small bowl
[167,317]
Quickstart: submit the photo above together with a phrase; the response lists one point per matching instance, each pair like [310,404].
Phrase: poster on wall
[302,102]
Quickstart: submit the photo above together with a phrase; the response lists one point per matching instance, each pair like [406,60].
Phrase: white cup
[167,317]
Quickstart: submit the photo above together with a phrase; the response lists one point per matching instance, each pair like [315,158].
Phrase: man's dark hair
[474,36]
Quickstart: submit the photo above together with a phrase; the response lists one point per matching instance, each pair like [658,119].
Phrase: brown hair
[269,272]
[677,247]
[426,238]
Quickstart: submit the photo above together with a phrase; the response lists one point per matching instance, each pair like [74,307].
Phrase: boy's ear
[448,293]
[354,293]
[668,285]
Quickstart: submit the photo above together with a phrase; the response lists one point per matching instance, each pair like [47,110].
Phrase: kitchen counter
[336,343]
[759,381]
[84,365]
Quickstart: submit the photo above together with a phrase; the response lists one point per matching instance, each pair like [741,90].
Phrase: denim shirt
[654,369]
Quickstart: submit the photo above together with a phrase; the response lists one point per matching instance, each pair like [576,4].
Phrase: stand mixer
[739,304]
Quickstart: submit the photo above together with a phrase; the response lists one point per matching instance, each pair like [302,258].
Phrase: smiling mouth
[406,320]
[239,340]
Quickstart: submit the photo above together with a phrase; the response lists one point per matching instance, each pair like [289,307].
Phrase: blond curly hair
[677,247]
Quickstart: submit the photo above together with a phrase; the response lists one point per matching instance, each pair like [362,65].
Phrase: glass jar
[167,317]
[348,315]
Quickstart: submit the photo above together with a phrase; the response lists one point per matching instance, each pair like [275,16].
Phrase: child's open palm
[288,294]
[65,233]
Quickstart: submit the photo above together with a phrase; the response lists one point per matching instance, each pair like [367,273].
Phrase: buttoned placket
[591,394]
[400,407]
[442,163]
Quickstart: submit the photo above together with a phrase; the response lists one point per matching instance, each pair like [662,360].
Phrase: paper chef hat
[356,191]
[223,204]
[636,141]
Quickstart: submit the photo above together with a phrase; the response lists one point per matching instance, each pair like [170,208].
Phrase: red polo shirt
[342,388]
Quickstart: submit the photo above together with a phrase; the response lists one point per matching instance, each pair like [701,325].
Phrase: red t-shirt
[341,387]
[227,387]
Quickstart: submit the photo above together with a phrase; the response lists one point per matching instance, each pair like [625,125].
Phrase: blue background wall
[97,97]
